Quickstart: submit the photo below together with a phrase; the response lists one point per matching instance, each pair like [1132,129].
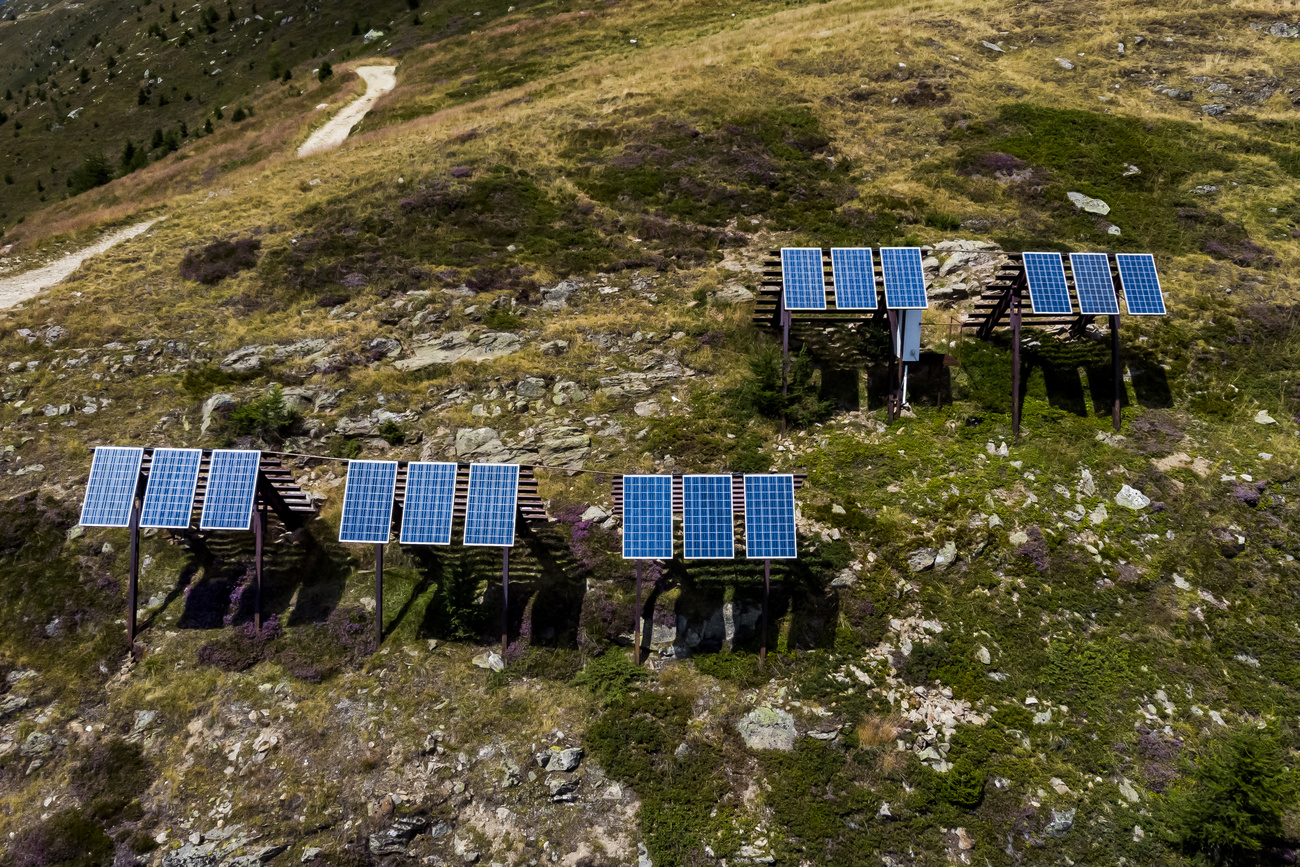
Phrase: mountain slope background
[538,248]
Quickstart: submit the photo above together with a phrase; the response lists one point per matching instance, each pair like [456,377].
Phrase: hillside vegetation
[1078,647]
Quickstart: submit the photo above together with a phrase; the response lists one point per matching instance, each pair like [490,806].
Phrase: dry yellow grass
[876,730]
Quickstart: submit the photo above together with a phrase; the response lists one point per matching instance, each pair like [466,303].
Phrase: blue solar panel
[110,490]
[904,279]
[368,502]
[802,279]
[854,273]
[709,526]
[430,498]
[490,507]
[232,486]
[1142,295]
[769,517]
[169,499]
[1048,292]
[647,517]
[1093,282]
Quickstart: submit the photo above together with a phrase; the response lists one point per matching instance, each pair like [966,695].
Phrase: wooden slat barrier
[295,499]
[768,301]
[737,492]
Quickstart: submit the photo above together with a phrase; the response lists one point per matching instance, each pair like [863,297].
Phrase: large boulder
[462,346]
[767,728]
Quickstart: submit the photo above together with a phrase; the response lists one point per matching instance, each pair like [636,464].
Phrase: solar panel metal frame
[902,286]
[482,478]
[802,264]
[430,504]
[368,502]
[764,540]
[1094,284]
[853,290]
[238,503]
[647,517]
[169,496]
[1141,289]
[692,540]
[1049,293]
[110,489]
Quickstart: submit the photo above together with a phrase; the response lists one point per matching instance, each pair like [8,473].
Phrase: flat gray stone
[462,346]
[1088,204]
[767,728]
[1132,498]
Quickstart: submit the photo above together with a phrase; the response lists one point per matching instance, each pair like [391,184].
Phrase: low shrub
[67,839]
[108,777]
[610,676]
[219,260]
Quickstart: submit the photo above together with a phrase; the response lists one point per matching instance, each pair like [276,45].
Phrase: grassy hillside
[982,656]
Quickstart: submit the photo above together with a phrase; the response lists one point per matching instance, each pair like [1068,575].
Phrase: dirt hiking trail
[379,80]
[20,287]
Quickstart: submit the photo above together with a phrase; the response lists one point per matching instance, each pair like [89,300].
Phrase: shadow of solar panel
[1048,292]
[769,517]
[647,517]
[1093,282]
[430,501]
[709,523]
[1137,274]
[368,502]
[803,282]
[490,506]
[110,490]
[854,274]
[232,487]
[904,279]
[169,498]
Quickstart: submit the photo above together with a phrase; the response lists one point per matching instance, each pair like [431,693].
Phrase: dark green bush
[761,393]
[108,777]
[963,785]
[610,676]
[94,172]
[266,418]
[66,839]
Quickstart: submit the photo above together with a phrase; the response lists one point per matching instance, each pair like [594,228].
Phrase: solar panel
[110,490]
[1048,292]
[854,274]
[904,279]
[368,501]
[169,499]
[647,517]
[430,497]
[1142,295]
[232,485]
[803,281]
[710,531]
[769,517]
[1093,282]
[490,508]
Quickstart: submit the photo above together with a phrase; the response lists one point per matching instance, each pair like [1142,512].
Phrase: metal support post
[259,529]
[1015,365]
[1118,371]
[379,595]
[505,601]
[134,577]
[636,627]
[785,355]
[767,586]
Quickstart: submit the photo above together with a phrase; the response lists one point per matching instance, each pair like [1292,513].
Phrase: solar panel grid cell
[430,501]
[769,517]
[368,502]
[1142,295]
[169,498]
[1093,283]
[490,506]
[647,517]
[803,280]
[904,278]
[709,522]
[854,275]
[1048,291]
[110,490]
[232,486]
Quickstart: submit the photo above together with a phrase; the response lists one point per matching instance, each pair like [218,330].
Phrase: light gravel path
[379,80]
[23,286]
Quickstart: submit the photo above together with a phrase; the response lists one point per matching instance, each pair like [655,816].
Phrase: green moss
[820,810]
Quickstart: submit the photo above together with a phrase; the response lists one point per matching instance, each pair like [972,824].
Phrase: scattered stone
[562,787]
[1088,204]
[1262,417]
[557,297]
[946,556]
[922,559]
[991,47]
[489,659]
[647,408]
[1065,64]
[1131,498]
[1098,515]
[40,743]
[766,728]
[462,346]
[983,655]
[395,839]
[563,761]
[1215,109]
[1062,822]
[555,347]
[1128,791]
[1018,538]
[732,293]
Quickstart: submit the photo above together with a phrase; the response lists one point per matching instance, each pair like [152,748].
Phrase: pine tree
[325,71]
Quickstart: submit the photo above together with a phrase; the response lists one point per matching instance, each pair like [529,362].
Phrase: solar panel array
[647,517]
[802,277]
[430,500]
[232,486]
[368,502]
[110,491]
[904,279]
[1142,295]
[709,525]
[1093,282]
[169,498]
[854,273]
[490,507]
[769,517]
[1048,292]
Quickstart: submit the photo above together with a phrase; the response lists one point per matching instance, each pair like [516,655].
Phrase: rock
[383,347]
[921,559]
[564,760]
[1098,515]
[1214,109]
[53,335]
[1018,538]
[11,704]
[991,47]
[372,35]
[567,393]
[594,514]
[531,388]
[766,728]
[483,444]
[143,719]
[395,839]
[1128,791]
[1138,834]
[1088,204]
[39,743]
[563,447]
[1131,498]
[246,359]
[1062,822]
[1283,30]
[643,856]
[1262,417]
[1086,485]
[1114,230]
[310,853]
[946,556]
[462,346]
[555,347]
[557,297]
[562,787]
[1065,64]
[732,293]
[983,655]
[489,659]
[1058,785]
[1231,544]
[647,408]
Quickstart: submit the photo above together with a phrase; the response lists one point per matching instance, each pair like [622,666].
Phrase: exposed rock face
[219,405]
[462,346]
[767,728]
[247,359]
[1131,498]
[1088,204]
